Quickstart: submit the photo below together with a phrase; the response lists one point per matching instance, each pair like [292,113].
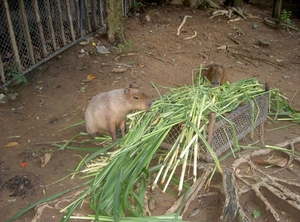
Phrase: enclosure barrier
[34,31]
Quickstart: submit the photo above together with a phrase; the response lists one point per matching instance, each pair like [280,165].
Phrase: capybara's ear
[127,91]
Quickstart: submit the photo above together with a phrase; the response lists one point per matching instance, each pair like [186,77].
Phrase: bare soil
[57,94]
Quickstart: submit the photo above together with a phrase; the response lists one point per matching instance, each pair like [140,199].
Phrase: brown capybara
[215,73]
[106,112]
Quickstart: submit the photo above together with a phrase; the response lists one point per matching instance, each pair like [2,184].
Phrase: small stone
[264,42]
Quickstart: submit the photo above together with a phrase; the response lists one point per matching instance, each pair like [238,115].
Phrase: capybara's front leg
[123,127]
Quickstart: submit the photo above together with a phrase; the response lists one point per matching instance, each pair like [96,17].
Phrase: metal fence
[33,31]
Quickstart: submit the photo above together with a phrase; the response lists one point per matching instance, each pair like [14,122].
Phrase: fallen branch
[248,56]
[234,20]
[159,58]
[127,54]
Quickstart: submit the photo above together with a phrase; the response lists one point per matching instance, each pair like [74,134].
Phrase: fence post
[12,37]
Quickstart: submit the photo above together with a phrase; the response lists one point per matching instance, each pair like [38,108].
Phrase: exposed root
[55,204]
[258,179]
[191,36]
[228,13]
[182,23]
[245,175]
[193,192]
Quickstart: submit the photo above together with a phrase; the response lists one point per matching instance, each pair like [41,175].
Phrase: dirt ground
[57,94]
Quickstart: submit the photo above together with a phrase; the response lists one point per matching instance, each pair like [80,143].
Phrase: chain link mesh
[32,30]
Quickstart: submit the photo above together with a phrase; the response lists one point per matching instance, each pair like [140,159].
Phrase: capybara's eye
[136,97]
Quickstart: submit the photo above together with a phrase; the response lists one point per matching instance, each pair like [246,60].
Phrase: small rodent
[106,112]
[215,73]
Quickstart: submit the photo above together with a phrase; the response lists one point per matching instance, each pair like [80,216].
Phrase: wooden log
[50,20]
[12,37]
[40,27]
[27,32]
[70,19]
[86,11]
[61,23]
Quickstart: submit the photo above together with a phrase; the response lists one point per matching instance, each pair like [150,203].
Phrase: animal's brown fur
[215,73]
[106,112]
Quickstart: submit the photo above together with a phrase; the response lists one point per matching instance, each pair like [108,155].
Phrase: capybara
[215,73]
[106,112]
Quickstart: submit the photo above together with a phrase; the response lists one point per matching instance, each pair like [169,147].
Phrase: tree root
[193,192]
[228,13]
[245,175]
[55,204]
[182,23]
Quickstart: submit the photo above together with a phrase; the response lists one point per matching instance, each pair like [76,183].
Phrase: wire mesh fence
[33,31]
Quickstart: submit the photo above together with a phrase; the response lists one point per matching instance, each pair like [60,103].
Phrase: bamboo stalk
[101,12]
[61,22]
[50,22]
[87,16]
[183,173]
[12,37]
[195,165]
[70,19]
[78,15]
[94,14]
[2,71]
[27,32]
[40,27]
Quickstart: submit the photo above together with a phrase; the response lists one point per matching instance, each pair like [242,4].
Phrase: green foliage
[256,213]
[286,16]
[138,5]
[14,74]
[124,47]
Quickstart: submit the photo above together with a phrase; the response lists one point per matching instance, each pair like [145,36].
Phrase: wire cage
[240,122]
[32,32]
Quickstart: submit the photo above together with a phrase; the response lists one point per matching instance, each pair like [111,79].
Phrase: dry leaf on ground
[11,144]
[45,159]
[281,162]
